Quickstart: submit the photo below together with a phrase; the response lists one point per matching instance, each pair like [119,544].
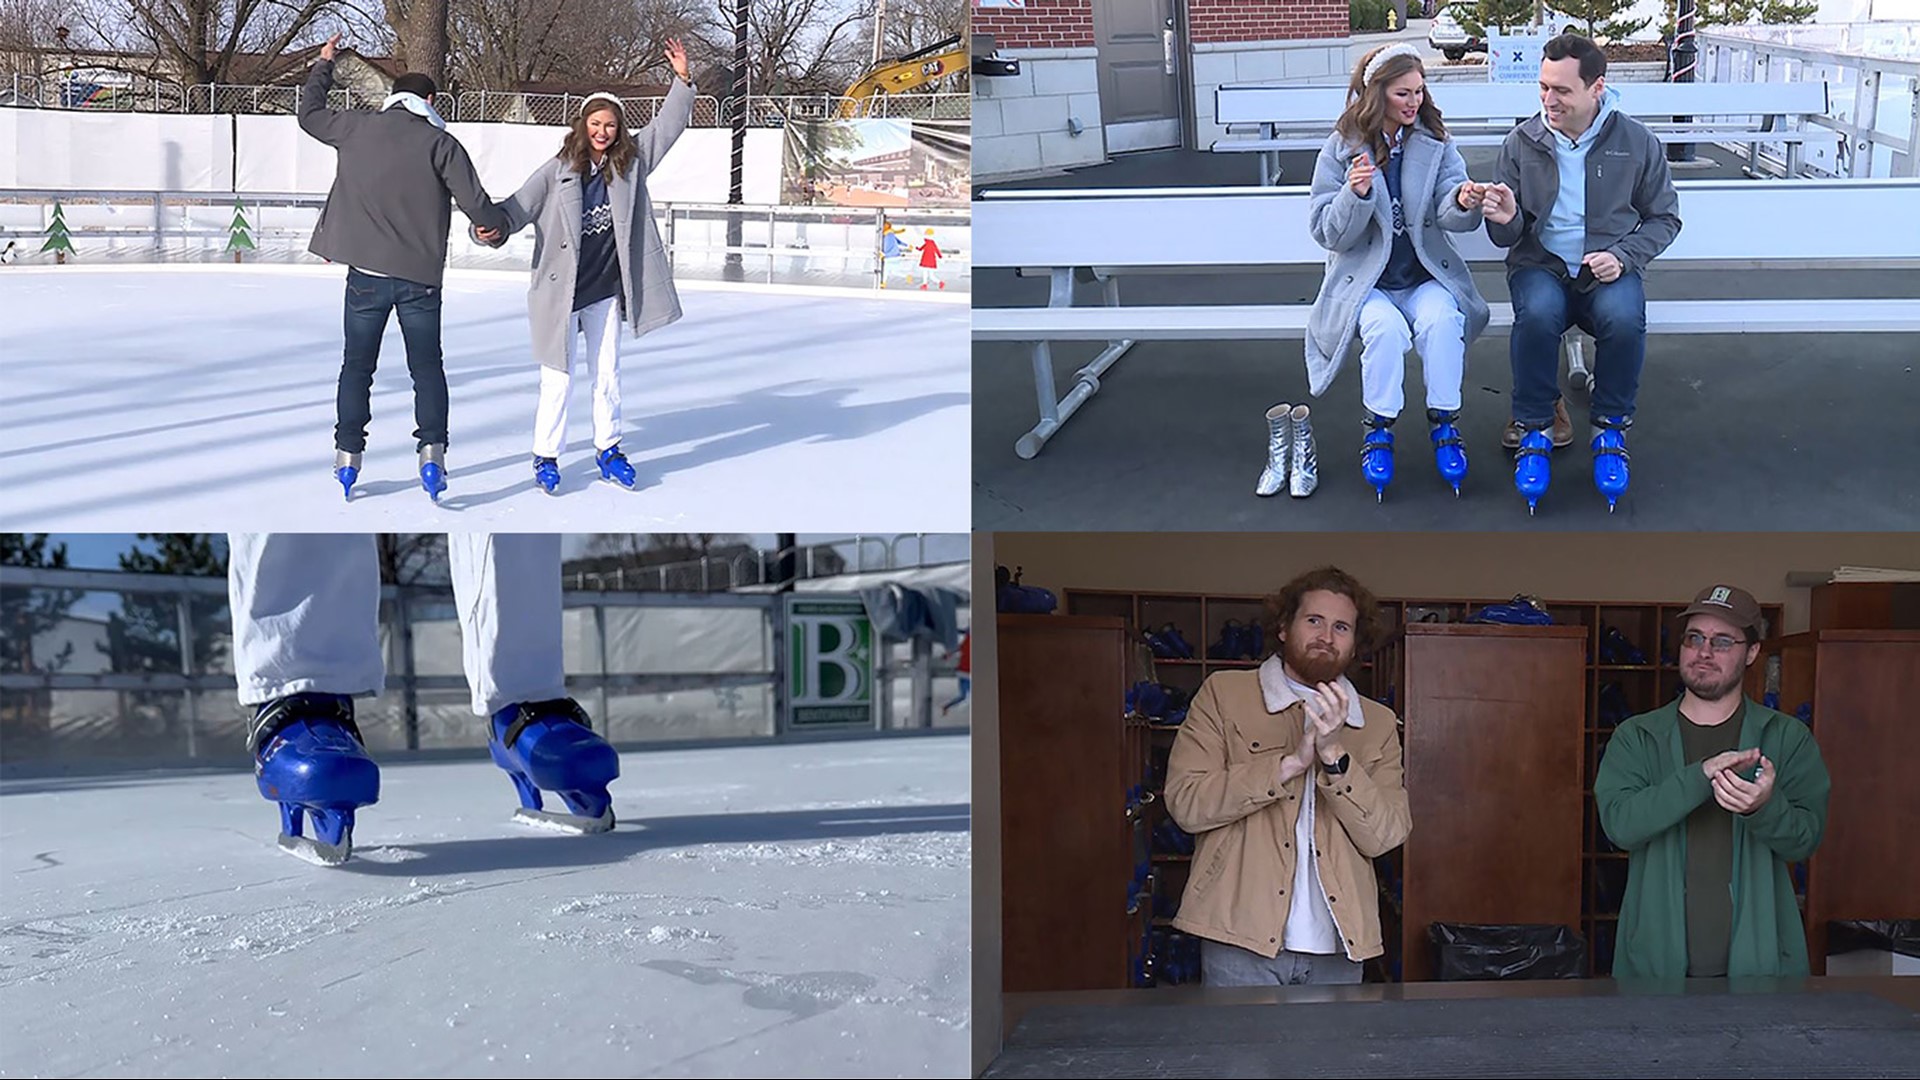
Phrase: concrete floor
[1733,433]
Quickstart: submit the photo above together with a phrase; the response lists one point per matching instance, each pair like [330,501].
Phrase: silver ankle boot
[1274,476]
[1305,472]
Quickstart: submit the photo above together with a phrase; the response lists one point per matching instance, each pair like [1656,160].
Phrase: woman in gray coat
[1388,187]
[598,262]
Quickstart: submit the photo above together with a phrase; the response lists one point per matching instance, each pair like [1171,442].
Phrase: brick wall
[1265,20]
[1042,24]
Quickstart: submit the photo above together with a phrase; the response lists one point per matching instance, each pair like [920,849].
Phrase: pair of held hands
[1729,790]
[1495,201]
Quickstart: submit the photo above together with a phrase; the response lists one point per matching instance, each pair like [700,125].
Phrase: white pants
[600,323]
[1437,327]
[929,275]
[306,615]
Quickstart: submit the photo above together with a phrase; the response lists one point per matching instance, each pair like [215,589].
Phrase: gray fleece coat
[1358,236]
[550,202]
[1632,208]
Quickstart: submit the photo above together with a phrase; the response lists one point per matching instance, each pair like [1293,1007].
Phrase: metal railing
[104,665]
[475,106]
[829,558]
[1873,74]
[822,245]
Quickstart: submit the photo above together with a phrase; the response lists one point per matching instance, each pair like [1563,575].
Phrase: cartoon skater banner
[877,163]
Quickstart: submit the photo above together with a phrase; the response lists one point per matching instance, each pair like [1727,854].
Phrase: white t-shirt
[1310,925]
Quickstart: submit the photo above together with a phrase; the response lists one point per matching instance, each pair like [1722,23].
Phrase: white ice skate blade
[572,824]
[317,852]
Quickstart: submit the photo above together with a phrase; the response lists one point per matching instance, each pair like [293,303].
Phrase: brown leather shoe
[1562,433]
[1562,425]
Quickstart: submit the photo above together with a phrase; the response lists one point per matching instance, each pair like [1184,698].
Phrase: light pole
[735,266]
[1685,54]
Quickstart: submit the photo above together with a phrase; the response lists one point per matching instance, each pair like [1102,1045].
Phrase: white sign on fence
[1515,58]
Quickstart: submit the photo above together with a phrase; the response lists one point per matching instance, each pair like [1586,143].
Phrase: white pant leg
[550,417]
[1385,338]
[507,587]
[306,614]
[1440,332]
[601,322]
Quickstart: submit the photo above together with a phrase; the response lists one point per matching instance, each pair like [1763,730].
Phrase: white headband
[620,106]
[1381,57]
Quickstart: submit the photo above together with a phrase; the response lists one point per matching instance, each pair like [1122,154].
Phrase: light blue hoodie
[1565,231]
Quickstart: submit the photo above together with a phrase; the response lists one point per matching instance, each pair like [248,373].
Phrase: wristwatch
[1339,768]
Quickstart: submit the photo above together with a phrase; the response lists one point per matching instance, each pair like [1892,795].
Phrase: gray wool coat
[550,202]
[1358,236]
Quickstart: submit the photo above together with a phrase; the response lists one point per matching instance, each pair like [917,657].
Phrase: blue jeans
[369,300]
[1230,965]
[1544,306]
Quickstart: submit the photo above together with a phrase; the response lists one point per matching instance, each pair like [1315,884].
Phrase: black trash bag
[1890,935]
[1464,952]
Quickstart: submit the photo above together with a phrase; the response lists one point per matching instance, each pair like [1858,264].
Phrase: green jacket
[1644,792]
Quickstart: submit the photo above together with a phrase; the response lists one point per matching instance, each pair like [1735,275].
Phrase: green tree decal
[239,234]
[58,241]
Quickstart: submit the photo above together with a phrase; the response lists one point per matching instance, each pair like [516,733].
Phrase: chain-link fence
[496,106]
[102,667]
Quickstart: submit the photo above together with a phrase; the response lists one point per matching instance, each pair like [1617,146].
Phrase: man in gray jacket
[387,219]
[1583,202]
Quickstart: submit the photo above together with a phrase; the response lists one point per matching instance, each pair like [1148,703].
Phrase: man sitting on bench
[1583,201]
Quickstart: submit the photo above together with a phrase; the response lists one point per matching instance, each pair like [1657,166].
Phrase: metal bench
[1730,226]
[1275,118]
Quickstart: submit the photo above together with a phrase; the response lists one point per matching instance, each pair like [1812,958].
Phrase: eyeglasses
[1721,643]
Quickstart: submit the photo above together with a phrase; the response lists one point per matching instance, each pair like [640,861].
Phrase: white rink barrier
[55,149]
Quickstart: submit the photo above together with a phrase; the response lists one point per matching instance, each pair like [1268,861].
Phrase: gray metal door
[1140,73]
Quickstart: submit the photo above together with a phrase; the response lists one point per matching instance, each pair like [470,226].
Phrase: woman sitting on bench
[1388,188]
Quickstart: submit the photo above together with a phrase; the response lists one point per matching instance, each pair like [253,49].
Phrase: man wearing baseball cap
[1713,796]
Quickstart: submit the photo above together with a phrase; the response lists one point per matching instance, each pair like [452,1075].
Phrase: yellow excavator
[903,73]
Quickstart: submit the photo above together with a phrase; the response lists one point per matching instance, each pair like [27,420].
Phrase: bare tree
[912,25]
[29,26]
[421,37]
[211,41]
[602,545]
[412,558]
[498,44]
[796,46]
[627,42]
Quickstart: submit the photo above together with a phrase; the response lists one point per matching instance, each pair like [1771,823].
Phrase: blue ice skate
[615,467]
[1449,453]
[1610,457]
[546,473]
[1376,454]
[308,756]
[550,745]
[433,470]
[1533,466]
[346,469]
